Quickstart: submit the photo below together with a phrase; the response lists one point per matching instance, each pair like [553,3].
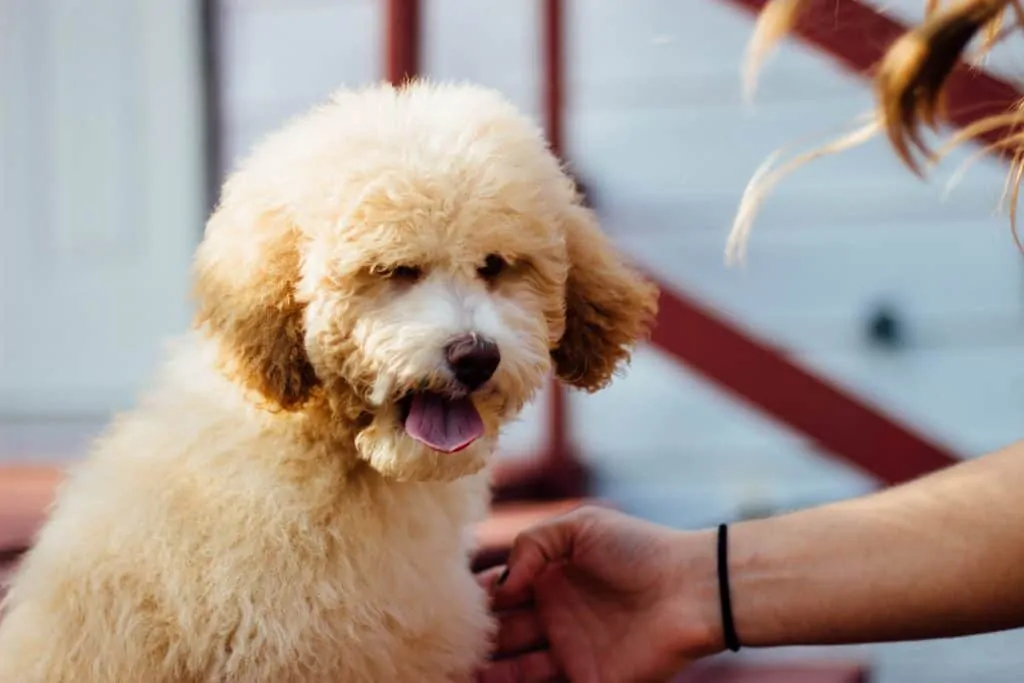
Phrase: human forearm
[942,556]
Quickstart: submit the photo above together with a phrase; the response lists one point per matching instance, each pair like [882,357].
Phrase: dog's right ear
[246,272]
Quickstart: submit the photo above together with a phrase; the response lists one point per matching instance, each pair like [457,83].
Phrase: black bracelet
[732,641]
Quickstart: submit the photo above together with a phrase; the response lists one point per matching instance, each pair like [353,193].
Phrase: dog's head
[413,263]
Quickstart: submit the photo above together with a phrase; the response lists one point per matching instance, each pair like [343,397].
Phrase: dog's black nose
[472,359]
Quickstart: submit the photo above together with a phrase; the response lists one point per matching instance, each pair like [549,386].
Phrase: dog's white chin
[394,454]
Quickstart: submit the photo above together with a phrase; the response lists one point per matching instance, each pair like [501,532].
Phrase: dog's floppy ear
[609,306]
[246,273]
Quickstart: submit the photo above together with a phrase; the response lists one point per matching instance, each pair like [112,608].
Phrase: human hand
[595,595]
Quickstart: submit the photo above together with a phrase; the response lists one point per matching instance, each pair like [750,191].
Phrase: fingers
[503,600]
[534,549]
[519,632]
[488,578]
[533,667]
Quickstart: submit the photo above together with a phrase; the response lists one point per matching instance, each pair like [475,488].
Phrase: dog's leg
[63,637]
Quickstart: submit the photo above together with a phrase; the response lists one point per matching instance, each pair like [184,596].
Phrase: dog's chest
[425,622]
[380,596]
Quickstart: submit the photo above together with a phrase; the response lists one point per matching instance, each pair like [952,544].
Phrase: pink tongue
[446,425]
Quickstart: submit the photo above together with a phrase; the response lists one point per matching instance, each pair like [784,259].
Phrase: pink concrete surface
[508,519]
[796,672]
[26,492]
[25,495]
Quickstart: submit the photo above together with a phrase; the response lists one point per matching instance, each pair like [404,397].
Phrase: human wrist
[695,595]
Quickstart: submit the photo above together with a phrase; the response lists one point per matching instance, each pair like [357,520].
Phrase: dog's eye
[404,273]
[493,266]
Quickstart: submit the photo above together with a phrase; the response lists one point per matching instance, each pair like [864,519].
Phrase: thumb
[533,550]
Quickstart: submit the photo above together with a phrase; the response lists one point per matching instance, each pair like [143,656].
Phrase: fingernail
[504,577]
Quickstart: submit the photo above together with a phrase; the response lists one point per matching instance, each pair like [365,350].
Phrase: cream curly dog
[384,285]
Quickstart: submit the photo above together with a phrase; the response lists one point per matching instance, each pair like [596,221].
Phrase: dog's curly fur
[262,516]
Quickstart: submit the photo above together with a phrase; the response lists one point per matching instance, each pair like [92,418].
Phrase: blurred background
[873,304]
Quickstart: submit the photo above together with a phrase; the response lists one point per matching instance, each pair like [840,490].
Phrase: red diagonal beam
[856,35]
[837,421]
[762,376]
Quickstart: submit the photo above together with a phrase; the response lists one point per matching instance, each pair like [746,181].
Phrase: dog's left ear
[609,306]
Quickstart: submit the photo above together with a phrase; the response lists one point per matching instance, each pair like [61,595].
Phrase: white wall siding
[102,198]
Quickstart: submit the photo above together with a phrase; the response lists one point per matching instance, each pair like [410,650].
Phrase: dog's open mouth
[444,423]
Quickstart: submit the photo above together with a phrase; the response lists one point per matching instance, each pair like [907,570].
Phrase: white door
[102,189]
